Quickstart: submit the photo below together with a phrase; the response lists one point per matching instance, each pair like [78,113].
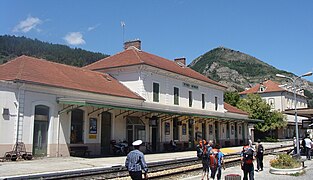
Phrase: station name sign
[190,86]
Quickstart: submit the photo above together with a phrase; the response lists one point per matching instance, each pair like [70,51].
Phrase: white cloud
[91,28]
[74,38]
[27,25]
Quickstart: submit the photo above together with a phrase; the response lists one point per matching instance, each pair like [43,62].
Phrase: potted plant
[285,164]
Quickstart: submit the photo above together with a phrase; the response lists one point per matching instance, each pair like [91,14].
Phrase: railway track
[164,169]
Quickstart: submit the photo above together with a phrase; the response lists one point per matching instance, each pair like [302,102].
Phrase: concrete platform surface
[265,174]
[9,169]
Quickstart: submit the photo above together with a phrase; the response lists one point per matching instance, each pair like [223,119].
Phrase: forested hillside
[12,46]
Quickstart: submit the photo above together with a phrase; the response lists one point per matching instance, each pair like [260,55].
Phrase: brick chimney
[135,43]
[181,60]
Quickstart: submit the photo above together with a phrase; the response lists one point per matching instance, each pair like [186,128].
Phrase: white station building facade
[132,95]
[281,98]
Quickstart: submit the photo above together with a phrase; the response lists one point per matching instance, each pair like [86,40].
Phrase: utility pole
[294,80]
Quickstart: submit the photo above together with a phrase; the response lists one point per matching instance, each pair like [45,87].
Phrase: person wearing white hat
[135,162]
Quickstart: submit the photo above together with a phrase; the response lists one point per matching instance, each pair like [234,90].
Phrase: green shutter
[176,96]
[156,92]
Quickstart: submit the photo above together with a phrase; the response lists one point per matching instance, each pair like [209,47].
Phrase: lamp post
[295,105]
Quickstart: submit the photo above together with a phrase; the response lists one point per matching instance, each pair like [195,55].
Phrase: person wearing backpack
[200,148]
[247,157]
[259,155]
[216,162]
[206,150]
[203,152]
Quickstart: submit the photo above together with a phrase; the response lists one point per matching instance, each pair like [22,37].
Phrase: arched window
[77,122]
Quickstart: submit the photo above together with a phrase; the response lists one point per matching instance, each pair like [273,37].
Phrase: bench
[180,145]
[168,147]
[79,151]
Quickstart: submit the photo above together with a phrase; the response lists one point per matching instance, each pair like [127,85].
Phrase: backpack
[199,152]
[201,149]
[214,159]
[260,149]
[248,156]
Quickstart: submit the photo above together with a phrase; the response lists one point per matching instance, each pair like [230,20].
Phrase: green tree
[310,98]
[231,98]
[259,109]
[12,47]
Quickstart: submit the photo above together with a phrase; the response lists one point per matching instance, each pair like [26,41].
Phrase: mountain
[12,46]
[238,70]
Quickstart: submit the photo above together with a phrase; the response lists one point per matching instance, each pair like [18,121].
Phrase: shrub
[285,161]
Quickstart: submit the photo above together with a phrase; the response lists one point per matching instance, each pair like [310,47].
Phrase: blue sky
[279,32]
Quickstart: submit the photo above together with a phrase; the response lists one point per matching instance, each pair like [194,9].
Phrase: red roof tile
[269,85]
[233,109]
[33,70]
[133,56]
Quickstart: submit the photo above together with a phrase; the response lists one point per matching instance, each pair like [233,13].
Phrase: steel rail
[163,168]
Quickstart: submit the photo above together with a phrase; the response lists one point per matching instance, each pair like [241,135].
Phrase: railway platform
[65,165]
[265,174]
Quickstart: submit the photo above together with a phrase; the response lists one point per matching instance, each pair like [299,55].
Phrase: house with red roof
[60,110]
[281,98]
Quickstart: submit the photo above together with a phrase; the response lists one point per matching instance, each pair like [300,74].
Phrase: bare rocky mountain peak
[238,70]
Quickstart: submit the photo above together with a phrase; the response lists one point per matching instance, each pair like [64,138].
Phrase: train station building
[131,95]
[281,98]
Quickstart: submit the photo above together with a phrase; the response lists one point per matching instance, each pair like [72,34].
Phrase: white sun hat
[137,143]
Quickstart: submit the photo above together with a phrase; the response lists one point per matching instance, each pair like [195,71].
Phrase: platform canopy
[304,112]
[147,107]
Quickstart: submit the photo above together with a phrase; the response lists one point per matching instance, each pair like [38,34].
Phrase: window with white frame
[190,98]
[156,92]
[176,95]
[203,101]
[262,88]
[271,102]
[216,103]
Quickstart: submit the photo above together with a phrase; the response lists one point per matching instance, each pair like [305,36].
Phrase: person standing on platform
[216,162]
[308,147]
[205,159]
[247,157]
[203,154]
[135,162]
[259,155]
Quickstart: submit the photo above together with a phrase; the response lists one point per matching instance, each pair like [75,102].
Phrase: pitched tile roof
[269,86]
[133,56]
[39,71]
[233,109]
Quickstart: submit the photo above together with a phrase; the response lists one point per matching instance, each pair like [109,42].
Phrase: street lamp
[294,79]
